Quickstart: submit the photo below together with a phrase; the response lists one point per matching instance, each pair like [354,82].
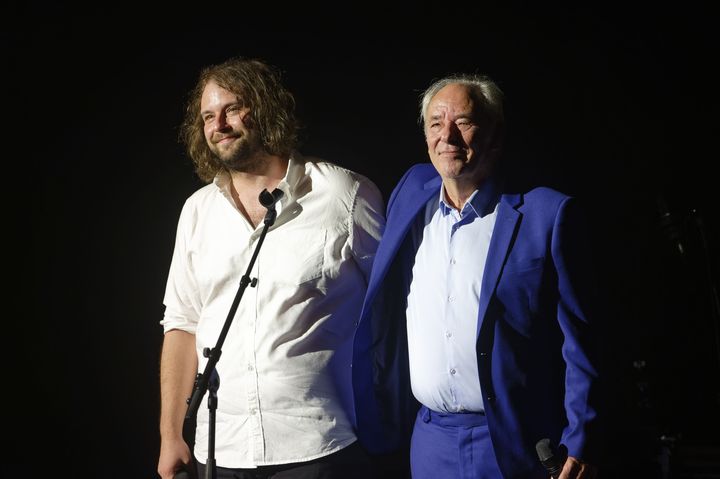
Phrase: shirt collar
[482,201]
[293,177]
[288,185]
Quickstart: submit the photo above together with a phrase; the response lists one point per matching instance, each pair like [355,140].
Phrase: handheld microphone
[551,459]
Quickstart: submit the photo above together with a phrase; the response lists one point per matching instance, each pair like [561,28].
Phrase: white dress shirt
[285,392]
[442,311]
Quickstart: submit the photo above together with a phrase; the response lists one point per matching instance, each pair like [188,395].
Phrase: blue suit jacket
[535,349]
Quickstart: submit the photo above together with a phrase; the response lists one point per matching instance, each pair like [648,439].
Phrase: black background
[615,105]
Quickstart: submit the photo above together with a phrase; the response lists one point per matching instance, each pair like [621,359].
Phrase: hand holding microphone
[551,458]
[554,459]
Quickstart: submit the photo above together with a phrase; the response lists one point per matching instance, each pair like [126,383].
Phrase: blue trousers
[452,446]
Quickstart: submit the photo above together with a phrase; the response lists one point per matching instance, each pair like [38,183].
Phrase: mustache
[222,136]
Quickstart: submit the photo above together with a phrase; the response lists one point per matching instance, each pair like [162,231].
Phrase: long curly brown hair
[272,111]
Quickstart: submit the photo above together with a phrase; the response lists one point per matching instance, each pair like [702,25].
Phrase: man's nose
[220,123]
[449,132]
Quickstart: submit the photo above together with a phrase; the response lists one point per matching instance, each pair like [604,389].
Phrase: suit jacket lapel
[500,244]
[406,208]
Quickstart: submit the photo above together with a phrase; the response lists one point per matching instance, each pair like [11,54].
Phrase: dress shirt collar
[482,201]
[289,184]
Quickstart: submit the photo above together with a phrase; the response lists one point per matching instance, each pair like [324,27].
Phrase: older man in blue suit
[478,323]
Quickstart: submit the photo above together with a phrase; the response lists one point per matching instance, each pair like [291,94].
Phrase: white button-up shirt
[285,392]
[444,298]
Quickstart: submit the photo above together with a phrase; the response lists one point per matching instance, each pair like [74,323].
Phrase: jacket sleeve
[578,314]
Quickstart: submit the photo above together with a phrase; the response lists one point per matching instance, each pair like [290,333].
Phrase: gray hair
[483,89]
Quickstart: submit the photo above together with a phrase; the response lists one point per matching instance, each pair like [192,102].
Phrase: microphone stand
[209,380]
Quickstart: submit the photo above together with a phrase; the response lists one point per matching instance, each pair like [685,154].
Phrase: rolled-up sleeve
[180,300]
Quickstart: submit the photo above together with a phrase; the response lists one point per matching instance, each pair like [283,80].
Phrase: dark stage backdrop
[616,107]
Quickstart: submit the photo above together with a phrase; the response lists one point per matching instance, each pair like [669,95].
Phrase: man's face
[457,135]
[228,130]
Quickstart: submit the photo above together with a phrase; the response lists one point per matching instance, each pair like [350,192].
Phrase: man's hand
[576,469]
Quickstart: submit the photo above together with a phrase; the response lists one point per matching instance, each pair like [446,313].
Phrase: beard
[245,154]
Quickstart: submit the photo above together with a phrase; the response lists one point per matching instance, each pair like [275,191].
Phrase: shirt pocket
[523,266]
[304,262]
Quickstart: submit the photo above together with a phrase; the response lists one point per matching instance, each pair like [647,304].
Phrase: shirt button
[448,334]
[452,371]
[253,411]
[452,261]
[250,367]
[450,299]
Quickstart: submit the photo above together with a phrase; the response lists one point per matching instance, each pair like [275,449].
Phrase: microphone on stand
[268,200]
